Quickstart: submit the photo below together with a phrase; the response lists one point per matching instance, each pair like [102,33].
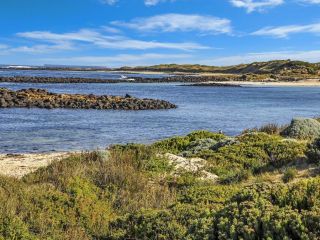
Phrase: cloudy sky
[146,32]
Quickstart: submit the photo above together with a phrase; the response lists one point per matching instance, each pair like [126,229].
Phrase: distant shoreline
[216,80]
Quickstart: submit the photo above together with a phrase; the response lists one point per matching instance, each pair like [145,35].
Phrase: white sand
[18,165]
[302,83]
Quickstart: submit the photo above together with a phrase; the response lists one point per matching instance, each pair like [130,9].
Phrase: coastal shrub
[252,153]
[12,227]
[285,151]
[235,176]
[271,212]
[313,152]
[130,192]
[198,146]
[94,211]
[49,211]
[289,174]
[184,180]
[173,145]
[236,162]
[202,134]
[224,142]
[301,195]
[204,148]
[130,184]
[100,203]
[177,145]
[143,157]
[303,129]
[259,139]
[148,224]
[270,128]
[59,172]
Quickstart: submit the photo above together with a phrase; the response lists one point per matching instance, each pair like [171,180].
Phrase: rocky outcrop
[171,79]
[39,98]
[193,165]
[191,78]
[198,79]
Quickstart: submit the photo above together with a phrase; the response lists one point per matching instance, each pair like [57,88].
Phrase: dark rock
[40,98]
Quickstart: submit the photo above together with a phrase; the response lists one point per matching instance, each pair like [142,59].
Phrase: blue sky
[147,32]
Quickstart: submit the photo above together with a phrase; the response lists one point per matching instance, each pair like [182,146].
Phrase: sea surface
[82,74]
[213,108]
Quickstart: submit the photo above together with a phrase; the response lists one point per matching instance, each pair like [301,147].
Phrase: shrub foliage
[130,192]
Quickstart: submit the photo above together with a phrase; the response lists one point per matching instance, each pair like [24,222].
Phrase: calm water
[228,109]
[82,74]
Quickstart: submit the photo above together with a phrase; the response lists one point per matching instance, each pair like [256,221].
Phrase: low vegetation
[267,187]
[281,67]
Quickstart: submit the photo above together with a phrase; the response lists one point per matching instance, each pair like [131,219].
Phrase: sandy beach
[302,83]
[18,165]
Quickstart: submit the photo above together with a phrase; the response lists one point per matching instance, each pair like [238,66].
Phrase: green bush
[12,227]
[313,152]
[195,148]
[177,145]
[303,129]
[202,134]
[173,145]
[285,151]
[289,174]
[148,224]
[270,128]
[130,192]
[236,177]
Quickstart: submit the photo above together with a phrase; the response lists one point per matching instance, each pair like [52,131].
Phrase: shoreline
[178,79]
[18,165]
[303,83]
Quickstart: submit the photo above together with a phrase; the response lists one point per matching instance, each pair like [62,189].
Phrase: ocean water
[82,74]
[228,109]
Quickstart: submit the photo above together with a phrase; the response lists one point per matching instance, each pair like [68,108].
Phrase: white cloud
[3,46]
[285,31]
[256,5]
[155,2]
[311,1]
[179,22]
[146,2]
[97,39]
[309,56]
[109,2]
[118,60]
[38,48]
[111,29]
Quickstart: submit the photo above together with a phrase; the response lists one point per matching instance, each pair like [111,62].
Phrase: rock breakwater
[171,79]
[40,98]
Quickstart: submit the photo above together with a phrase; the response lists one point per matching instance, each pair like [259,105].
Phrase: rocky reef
[185,78]
[170,79]
[40,98]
